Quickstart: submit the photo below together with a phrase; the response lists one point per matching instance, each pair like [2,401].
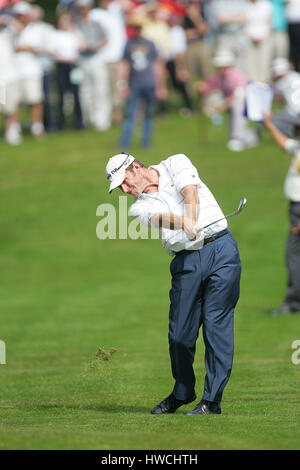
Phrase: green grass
[64,294]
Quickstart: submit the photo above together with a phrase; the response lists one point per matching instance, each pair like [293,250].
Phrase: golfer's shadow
[109,408]
[116,408]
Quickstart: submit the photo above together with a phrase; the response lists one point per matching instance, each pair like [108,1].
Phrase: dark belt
[215,236]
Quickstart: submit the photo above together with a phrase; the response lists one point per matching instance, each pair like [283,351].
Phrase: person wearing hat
[287,89]
[232,82]
[205,270]
[291,303]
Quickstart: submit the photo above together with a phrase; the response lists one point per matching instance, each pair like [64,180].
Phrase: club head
[242,204]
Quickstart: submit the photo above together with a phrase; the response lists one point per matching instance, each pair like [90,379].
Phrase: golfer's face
[132,183]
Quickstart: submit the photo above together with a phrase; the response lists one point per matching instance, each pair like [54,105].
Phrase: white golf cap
[280,66]
[22,8]
[115,169]
[223,58]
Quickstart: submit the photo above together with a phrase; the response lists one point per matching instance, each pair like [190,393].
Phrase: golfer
[291,303]
[205,270]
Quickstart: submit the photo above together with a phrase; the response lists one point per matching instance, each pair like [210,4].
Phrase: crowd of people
[100,60]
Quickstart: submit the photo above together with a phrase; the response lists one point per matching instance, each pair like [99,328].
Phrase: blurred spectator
[94,89]
[287,88]
[65,5]
[258,27]
[293,18]
[229,16]
[198,54]
[176,63]
[279,37]
[157,30]
[65,45]
[9,96]
[291,302]
[110,16]
[140,80]
[29,68]
[7,5]
[40,33]
[232,82]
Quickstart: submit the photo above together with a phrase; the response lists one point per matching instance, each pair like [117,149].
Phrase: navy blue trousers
[205,290]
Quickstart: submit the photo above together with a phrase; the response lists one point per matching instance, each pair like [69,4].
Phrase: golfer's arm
[277,135]
[169,221]
[177,222]
[191,202]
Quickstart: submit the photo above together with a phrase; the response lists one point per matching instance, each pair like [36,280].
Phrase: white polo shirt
[112,21]
[64,45]
[289,86]
[292,180]
[175,173]
[8,67]
[28,64]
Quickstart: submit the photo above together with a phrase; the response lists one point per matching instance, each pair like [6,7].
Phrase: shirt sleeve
[184,173]
[145,210]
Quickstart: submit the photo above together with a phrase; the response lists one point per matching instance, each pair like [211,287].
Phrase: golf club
[241,205]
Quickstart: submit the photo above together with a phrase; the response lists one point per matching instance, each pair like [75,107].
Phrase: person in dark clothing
[291,303]
[140,80]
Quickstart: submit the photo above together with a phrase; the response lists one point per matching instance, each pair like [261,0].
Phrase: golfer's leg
[220,297]
[184,321]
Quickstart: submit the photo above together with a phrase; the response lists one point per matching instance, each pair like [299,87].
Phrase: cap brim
[116,181]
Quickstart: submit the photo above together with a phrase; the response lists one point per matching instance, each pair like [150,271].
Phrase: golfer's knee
[181,341]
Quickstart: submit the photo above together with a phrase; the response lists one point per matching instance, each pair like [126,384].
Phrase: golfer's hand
[190,228]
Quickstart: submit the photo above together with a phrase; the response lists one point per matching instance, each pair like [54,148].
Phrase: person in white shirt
[228,22]
[110,16]
[205,270]
[95,88]
[258,29]
[9,96]
[287,89]
[41,32]
[65,45]
[291,303]
[29,68]
[176,62]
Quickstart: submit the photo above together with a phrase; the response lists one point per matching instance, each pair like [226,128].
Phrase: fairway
[65,294]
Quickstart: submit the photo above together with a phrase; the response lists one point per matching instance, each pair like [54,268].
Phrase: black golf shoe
[170,405]
[205,408]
